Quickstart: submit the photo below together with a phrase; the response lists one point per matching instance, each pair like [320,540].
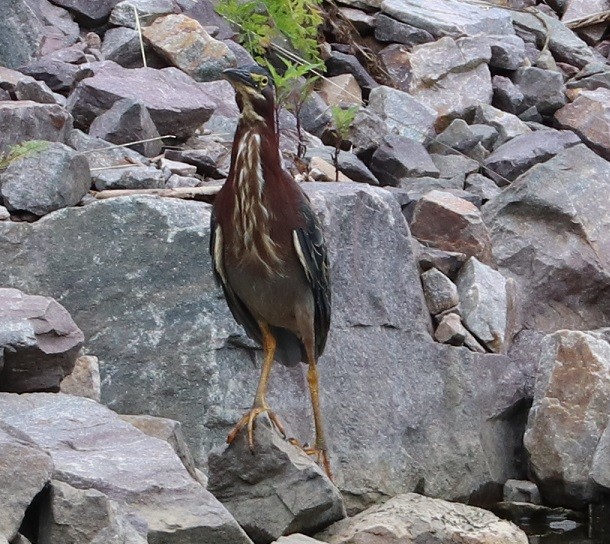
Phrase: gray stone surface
[24,471]
[449,17]
[507,124]
[122,45]
[275,490]
[40,342]
[128,121]
[600,472]
[398,157]
[548,234]
[87,516]
[482,186]
[296,539]
[37,91]
[148,10]
[60,76]
[485,305]
[89,13]
[25,120]
[518,155]
[455,166]
[542,89]
[569,415]
[415,518]
[521,491]
[178,106]
[21,33]
[173,350]
[341,63]
[130,177]
[450,330]
[507,51]
[440,292]
[45,179]
[388,29]
[84,380]
[92,448]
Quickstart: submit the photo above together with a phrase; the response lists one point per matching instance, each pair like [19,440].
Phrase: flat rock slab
[415,518]
[177,106]
[40,342]
[92,448]
[274,490]
[24,471]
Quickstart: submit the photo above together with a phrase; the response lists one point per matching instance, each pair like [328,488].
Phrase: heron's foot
[248,420]
[320,455]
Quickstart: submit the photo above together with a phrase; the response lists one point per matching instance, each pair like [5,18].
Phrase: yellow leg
[260,401]
[320,450]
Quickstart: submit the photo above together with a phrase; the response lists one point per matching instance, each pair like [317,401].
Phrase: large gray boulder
[549,234]
[39,342]
[569,416]
[21,33]
[168,345]
[92,448]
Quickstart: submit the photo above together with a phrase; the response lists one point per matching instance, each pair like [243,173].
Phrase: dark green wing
[314,259]
[237,307]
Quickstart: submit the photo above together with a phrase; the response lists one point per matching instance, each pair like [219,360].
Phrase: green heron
[269,254]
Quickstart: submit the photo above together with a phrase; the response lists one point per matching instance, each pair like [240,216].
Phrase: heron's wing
[311,248]
[237,307]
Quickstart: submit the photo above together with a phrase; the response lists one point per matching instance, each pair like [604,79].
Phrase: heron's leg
[320,449]
[260,400]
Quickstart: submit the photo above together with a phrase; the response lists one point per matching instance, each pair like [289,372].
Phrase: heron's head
[255,93]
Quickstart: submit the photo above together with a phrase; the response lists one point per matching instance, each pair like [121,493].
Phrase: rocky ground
[467,359]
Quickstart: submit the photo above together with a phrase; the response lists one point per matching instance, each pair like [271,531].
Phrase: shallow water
[563,531]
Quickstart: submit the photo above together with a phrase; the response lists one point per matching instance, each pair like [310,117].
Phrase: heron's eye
[263,82]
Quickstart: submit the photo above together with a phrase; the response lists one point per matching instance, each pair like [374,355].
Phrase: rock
[178,106]
[456,225]
[184,43]
[25,469]
[507,125]
[442,70]
[485,304]
[4,214]
[600,473]
[60,76]
[204,12]
[315,115]
[84,380]
[392,111]
[87,516]
[449,17]
[394,61]
[589,117]
[92,448]
[212,160]
[518,155]
[447,262]
[569,415]
[276,491]
[399,157]
[47,177]
[578,9]
[415,518]
[542,89]
[362,21]
[348,163]
[591,77]
[131,177]
[169,431]
[24,120]
[175,181]
[176,167]
[36,91]
[122,45]
[562,42]
[459,136]
[482,186]
[89,14]
[168,345]
[40,342]
[388,29]
[296,539]
[455,166]
[148,10]
[547,231]
[21,33]
[440,292]
[521,491]
[507,51]
[320,170]
[125,122]
[341,63]
[507,96]
[450,330]
[418,187]
[341,90]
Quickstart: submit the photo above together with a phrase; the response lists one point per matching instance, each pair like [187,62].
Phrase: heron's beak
[238,76]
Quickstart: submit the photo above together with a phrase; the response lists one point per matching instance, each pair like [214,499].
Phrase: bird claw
[320,454]
[248,420]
